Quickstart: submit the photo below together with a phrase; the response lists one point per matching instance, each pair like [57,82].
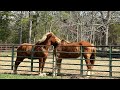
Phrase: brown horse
[70,47]
[40,51]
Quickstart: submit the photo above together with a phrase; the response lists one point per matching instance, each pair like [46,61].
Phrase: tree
[4,25]
[114,34]
[30,27]
[106,23]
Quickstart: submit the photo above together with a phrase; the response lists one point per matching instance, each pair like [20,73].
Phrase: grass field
[12,76]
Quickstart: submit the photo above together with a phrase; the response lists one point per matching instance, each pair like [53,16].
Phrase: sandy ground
[5,63]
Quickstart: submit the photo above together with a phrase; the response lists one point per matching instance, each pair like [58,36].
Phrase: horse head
[53,39]
[49,39]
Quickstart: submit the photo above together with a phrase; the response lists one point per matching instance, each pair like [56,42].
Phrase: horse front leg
[58,64]
[92,65]
[41,66]
[88,64]
[88,67]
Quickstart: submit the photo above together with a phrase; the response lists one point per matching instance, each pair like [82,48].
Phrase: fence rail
[107,63]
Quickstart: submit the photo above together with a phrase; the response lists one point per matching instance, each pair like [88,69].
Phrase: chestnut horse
[70,47]
[39,51]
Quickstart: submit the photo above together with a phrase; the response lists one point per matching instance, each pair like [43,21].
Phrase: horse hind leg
[17,62]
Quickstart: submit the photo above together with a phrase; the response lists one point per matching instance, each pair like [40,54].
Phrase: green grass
[12,76]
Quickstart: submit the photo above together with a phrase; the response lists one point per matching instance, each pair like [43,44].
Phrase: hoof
[87,76]
[42,74]
[54,74]
[88,73]
[14,72]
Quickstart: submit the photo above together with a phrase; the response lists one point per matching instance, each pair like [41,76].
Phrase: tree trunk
[106,21]
[107,25]
[20,32]
[30,27]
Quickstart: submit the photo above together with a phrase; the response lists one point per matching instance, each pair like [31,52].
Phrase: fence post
[12,61]
[81,61]
[32,58]
[110,61]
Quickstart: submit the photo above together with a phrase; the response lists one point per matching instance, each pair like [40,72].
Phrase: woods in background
[98,27]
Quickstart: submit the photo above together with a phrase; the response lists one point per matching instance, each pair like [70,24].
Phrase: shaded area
[114,54]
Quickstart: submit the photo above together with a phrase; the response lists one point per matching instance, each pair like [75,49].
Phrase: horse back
[65,50]
[24,49]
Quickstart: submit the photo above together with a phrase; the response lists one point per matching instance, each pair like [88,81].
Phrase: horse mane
[63,40]
[43,38]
